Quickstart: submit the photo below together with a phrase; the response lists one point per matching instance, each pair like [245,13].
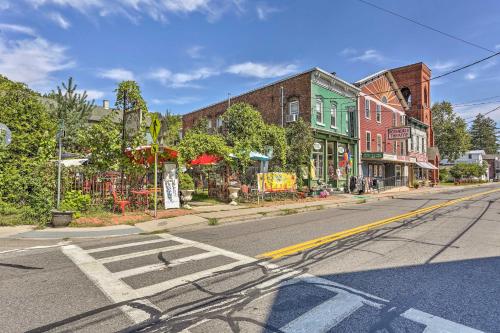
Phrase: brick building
[318,97]
[414,83]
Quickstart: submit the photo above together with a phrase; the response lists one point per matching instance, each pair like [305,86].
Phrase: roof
[482,152]
[491,156]
[412,65]
[279,81]
[372,76]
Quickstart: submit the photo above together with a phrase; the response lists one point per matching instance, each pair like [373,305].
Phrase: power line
[478,100]
[484,114]
[426,26]
[473,104]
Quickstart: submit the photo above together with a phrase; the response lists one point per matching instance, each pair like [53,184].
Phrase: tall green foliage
[134,109]
[300,140]
[450,131]
[483,134]
[26,174]
[195,144]
[71,109]
[468,170]
[170,127]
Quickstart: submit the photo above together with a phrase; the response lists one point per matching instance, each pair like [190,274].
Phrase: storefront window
[318,158]
[331,163]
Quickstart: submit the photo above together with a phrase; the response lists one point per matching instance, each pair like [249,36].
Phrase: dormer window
[384,99]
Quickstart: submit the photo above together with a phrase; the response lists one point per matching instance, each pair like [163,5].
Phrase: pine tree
[483,134]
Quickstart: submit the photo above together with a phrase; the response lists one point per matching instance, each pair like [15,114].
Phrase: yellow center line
[289,250]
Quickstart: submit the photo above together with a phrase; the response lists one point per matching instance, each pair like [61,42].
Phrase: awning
[426,165]
[73,162]
[206,159]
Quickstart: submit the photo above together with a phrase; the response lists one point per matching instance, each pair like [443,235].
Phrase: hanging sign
[170,186]
[396,133]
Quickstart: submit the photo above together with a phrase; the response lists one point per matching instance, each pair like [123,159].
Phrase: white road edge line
[37,247]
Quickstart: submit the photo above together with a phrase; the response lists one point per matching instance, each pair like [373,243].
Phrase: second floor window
[368,141]
[319,111]
[218,122]
[394,119]
[293,107]
[402,120]
[367,109]
[379,143]
[402,146]
[379,113]
[333,115]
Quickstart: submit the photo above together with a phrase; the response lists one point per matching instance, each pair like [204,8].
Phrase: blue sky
[189,53]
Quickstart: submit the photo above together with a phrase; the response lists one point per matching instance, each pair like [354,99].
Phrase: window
[218,121]
[379,113]
[470,156]
[395,147]
[347,122]
[318,158]
[368,141]
[379,143]
[333,115]
[319,111]
[209,123]
[423,145]
[384,99]
[402,120]
[402,148]
[394,119]
[405,91]
[293,107]
[426,98]
[367,109]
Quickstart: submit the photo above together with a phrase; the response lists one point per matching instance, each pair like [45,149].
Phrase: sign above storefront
[372,155]
[396,133]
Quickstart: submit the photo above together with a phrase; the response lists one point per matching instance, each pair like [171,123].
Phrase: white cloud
[59,20]
[470,76]
[117,74]
[369,56]
[264,11]
[17,29]
[348,51]
[92,94]
[260,70]
[4,4]
[178,80]
[135,9]
[444,66]
[32,60]
[194,51]
[497,46]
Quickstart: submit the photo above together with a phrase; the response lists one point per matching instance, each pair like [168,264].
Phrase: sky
[186,54]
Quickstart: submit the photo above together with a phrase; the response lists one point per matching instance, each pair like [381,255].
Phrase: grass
[213,221]
[11,220]
[203,197]
[361,201]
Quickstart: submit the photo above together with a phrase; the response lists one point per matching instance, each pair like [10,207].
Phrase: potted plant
[74,203]
[186,186]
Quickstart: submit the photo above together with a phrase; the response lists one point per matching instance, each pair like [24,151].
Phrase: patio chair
[118,202]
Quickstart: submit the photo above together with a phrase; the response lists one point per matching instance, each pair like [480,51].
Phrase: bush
[185,181]
[75,201]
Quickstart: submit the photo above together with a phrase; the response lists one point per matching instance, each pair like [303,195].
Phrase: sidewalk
[200,216]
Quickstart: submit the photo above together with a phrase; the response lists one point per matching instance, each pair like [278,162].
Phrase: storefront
[393,170]
[334,160]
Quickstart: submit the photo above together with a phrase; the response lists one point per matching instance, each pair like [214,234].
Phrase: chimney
[105,104]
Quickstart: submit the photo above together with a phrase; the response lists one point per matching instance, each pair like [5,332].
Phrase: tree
[483,134]
[300,140]
[71,109]
[274,137]
[194,144]
[26,173]
[450,131]
[171,124]
[133,109]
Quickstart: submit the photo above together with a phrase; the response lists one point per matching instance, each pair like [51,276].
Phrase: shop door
[398,175]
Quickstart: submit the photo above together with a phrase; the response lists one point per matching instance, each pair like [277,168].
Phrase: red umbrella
[143,155]
[206,159]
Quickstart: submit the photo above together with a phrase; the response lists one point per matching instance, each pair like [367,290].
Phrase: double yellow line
[286,251]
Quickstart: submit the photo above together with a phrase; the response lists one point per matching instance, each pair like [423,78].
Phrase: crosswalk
[123,273]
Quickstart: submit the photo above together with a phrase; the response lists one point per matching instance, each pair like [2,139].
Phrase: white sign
[341,150]
[171,186]
[396,133]
[317,146]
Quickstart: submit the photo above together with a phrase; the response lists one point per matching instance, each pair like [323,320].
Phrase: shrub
[75,201]
[185,181]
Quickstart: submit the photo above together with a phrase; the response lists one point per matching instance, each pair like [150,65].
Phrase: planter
[61,218]
[233,195]
[187,196]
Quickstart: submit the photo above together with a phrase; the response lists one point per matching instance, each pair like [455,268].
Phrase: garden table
[141,197]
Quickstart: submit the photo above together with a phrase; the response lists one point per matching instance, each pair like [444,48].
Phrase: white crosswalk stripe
[320,318]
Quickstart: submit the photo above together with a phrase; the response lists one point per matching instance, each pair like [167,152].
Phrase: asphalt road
[438,271]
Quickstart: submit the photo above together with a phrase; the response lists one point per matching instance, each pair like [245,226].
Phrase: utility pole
[282,111]
[228,100]
[124,112]
[59,167]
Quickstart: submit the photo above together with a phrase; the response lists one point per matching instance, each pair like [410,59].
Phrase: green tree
[133,109]
[171,124]
[26,173]
[300,140]
[194,144]
[71,109]
[274,137]
[201,126]
[450,131]
[483,134]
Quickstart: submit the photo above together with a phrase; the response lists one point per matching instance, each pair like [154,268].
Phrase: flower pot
[233,195]
[61,218]
[187,196]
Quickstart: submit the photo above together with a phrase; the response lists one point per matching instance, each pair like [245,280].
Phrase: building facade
[321,99]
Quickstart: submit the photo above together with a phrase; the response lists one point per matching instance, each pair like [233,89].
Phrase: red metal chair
[118,202]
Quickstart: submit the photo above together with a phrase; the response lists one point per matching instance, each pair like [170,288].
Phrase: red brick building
[414,83]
